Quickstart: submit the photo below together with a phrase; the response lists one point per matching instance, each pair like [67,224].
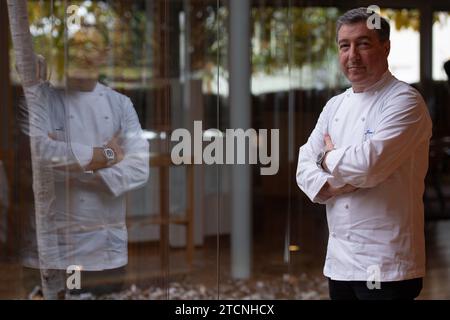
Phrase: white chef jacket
[85,221]
[381,138]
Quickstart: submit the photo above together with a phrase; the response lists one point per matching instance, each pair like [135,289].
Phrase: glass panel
[441,49]
[293,47]
[404,58]
[289,85]
[116,80]
[124,172]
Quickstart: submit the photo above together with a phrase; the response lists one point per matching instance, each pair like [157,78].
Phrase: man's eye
[343,46]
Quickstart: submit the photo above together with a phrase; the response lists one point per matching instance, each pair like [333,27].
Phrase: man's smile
[355,67]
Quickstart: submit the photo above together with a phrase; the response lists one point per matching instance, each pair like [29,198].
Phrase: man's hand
[328,143]
[99,160]
[328,191]
[328,147]
[115,145]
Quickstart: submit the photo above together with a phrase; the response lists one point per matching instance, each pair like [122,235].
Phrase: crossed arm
[404,124]
[98,160]
[130,170]
[328,191]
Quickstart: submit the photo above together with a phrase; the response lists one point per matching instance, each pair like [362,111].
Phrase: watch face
[109,153]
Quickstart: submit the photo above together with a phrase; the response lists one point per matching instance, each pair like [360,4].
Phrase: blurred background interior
[190,235]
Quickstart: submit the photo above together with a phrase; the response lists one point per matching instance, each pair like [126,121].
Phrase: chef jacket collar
[385,78]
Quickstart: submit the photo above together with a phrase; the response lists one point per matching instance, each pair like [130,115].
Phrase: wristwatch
[321,157]
[110,155]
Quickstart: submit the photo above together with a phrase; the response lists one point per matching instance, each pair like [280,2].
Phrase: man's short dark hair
[361,15]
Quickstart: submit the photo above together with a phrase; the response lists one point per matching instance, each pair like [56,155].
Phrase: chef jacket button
[363,119]
[106,117]
[348,236]
[346,206]
[71,116]
[333,234]
[336,119]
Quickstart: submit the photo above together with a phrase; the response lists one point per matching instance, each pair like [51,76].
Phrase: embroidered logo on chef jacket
[368,134]
[59,133]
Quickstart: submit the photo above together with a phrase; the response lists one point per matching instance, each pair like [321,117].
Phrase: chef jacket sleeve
[37,124]
[311,178]
[133,171]
[404,125]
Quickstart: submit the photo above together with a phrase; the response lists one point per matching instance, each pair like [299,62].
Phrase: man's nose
[354,53]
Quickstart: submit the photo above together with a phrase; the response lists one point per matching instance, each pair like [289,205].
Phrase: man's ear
[387,47]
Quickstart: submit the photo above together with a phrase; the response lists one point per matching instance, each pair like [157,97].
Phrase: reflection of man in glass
[90,137]
[366,160]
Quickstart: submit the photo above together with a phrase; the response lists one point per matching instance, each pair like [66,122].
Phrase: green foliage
[281,36]
[292,36]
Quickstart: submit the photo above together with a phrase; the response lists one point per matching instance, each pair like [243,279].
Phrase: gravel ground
[300,287]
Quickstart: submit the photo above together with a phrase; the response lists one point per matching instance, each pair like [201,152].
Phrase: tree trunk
[22,42]
[35,106]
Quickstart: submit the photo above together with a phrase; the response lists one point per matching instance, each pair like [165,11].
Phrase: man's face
[362,56]
[87,51]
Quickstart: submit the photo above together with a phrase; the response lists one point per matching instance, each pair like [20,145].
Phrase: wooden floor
[437,280]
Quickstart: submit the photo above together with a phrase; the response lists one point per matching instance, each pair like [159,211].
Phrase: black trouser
[358,290]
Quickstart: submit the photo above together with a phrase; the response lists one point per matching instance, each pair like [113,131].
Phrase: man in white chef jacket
[91,138]
[366,160]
